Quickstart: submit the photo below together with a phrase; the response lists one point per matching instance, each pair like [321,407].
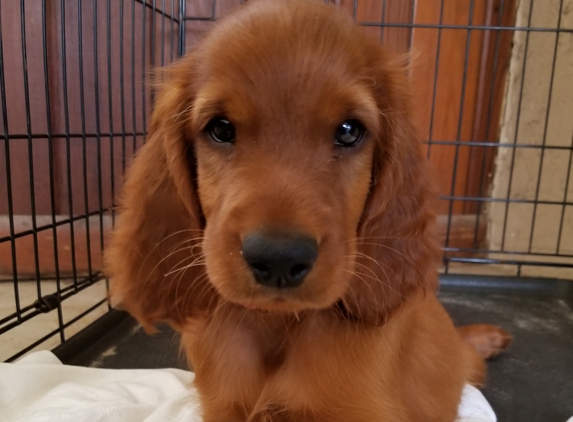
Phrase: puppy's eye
[349,133]
[220,129]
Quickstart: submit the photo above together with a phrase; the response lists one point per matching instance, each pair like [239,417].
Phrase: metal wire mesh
[74,108]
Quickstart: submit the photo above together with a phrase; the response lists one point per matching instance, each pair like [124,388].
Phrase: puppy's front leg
[223,414]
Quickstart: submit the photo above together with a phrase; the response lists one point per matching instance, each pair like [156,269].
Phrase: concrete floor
[20,337]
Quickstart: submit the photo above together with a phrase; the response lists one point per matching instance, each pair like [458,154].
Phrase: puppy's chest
[250,356]
[282,368]
[264,347]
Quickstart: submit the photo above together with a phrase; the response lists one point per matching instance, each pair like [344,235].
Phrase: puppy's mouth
[249,294]
[274,303]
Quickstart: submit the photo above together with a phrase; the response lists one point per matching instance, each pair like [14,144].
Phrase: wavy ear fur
[397,248]
[155,260]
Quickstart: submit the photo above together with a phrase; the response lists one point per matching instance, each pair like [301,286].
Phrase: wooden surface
[456,108]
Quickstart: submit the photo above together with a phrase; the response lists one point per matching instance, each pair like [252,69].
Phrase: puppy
[281,218]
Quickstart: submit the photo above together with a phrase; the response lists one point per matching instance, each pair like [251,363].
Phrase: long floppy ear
[398,250]
[154,259]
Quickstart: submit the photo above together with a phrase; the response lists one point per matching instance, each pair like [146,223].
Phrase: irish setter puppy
[280,217]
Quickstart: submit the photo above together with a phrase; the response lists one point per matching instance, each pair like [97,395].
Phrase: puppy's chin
[281,305]
[276,306]
[279,301]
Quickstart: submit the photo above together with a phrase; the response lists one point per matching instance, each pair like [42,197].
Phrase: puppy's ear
[397,248]
[155,260]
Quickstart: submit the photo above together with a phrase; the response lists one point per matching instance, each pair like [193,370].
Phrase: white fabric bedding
[39,388]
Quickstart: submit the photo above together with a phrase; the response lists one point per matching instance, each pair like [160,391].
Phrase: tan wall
[538,109]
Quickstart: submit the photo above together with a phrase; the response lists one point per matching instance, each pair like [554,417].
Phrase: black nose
[279,260]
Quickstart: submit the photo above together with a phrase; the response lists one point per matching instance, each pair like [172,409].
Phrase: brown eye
[221,130]
[349,133]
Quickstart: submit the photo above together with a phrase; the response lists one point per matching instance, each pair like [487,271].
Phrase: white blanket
[39,388]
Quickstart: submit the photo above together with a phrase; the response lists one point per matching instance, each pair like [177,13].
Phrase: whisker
[171,253]
[357,254]
[188,294]
[176,296]
[287,331]
[363,255]
[162,241]
[387,247]
[244,313]
[354,273]
[198,261]
[358,239]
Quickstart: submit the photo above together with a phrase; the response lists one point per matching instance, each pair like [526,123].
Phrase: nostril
[260,267]
[261,270]
[299,270]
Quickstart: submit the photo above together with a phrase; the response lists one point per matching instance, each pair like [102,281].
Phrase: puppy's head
[285,142]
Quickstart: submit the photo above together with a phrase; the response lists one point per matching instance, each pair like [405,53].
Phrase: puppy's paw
[488,340]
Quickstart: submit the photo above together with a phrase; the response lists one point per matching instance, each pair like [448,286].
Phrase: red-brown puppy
[281,218]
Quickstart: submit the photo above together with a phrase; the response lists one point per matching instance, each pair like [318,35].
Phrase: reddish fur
[364,337]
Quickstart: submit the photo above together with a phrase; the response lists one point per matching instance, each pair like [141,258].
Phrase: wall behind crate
[533,177]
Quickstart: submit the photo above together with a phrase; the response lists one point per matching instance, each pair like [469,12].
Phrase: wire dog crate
[492,95]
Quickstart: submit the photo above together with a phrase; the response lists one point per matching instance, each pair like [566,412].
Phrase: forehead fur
[287,40]
[295,57]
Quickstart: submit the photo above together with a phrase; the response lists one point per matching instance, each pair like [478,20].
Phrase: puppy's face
[284,123]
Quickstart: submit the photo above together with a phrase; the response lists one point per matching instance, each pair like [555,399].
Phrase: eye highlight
[221,130]
[349,133]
